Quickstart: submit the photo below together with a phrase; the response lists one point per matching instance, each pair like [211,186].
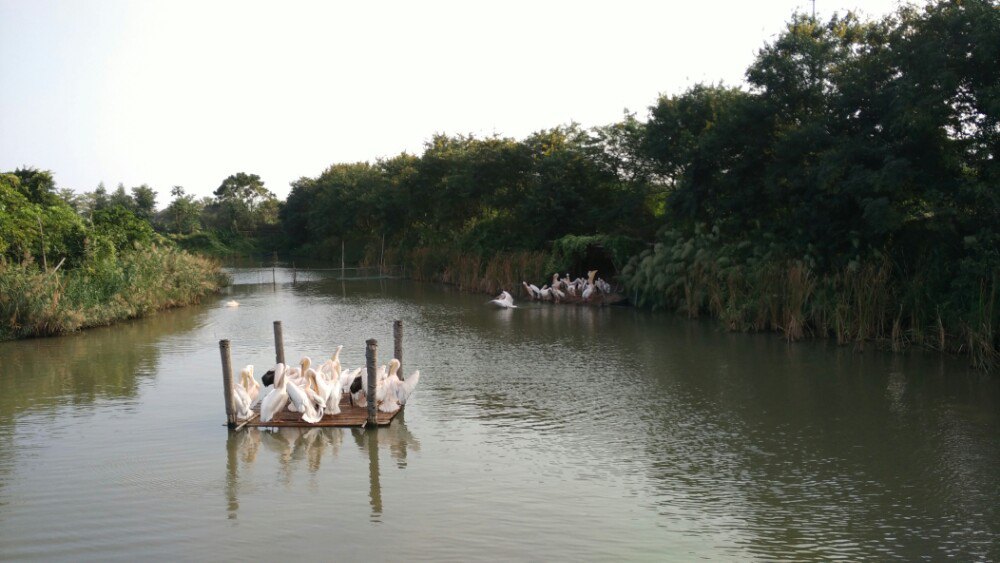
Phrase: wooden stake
[295,274]
[341,259]
[279,344]
[397,344]
[227,383]
[273,279]
[371,358]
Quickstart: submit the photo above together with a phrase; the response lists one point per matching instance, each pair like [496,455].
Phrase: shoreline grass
[137,283]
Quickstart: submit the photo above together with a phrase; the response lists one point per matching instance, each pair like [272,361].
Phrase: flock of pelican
[315,392]
[563,289]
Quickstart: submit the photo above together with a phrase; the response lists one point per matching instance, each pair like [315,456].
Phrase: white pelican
[249,383]
[276,400]
[324,393]
[397,390]
[532,290]
[589,291]
[298,377]
[302,402]
[504,301]
[232,303]
[241,399]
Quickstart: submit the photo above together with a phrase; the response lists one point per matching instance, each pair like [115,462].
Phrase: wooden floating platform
[350,416]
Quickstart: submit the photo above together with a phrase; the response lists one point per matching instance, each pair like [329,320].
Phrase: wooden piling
[371,358]
[274,279]
[397,344]
[279,343]
[295,274]
[227,382]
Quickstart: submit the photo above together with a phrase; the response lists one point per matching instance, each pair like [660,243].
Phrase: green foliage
[136,283]
[243,204]
[479,196]
[850,191]
[578,254]
[122,228]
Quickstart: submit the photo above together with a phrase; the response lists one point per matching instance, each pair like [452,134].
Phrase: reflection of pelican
[278,397]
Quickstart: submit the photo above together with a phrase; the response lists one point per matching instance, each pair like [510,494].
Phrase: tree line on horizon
[848,189]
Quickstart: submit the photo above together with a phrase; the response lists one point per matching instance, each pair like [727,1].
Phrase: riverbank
[136,283]
[872,301]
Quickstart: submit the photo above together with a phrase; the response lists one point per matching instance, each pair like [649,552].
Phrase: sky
[186,93]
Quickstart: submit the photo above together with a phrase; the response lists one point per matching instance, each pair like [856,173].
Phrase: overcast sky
[187,92]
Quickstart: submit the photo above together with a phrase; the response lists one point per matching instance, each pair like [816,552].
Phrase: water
[542,433]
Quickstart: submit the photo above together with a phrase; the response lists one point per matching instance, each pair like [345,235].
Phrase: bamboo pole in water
[279,343]
[227,382]
[371,358]
[397,344]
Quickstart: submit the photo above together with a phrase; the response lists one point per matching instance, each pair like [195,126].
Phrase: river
[541,433]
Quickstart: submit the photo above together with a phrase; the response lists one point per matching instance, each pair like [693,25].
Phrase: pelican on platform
[276,400]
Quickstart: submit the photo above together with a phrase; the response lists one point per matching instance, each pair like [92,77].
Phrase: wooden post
[295,274]
[273,279]
[371,358]
[341,259]
[279,344]
[397,344]
[227,383]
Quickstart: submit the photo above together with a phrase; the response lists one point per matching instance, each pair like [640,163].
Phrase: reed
[863,302]
[472,272]
[38,303]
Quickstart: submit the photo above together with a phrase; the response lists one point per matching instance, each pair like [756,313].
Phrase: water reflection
[294,449]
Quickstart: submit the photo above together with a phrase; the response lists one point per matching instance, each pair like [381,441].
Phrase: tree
[144,201]
[242,198]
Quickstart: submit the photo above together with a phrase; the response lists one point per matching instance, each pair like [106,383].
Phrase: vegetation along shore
[847,190]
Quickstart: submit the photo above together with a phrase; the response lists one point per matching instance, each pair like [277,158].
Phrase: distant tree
[121,198]
[100,198]
[245,203]
[183,212]
[144,199]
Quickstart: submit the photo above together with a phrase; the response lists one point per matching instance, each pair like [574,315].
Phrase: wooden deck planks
[349,416]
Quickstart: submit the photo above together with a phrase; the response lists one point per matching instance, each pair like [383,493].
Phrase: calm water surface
[542,433]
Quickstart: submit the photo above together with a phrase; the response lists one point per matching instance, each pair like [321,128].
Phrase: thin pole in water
[341,259]
[371,358]
[397,344]
[295,274]
[227,382]
[279,343]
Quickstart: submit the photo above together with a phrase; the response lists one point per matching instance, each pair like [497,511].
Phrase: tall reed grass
[38,303]
[472,272]
[864,302]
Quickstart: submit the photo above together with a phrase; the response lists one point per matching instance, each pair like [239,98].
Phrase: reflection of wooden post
[371,358]
[279,344]
[374,487]
[227,382]
[397,344]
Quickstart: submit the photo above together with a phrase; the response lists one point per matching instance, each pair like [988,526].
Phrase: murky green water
[542,433]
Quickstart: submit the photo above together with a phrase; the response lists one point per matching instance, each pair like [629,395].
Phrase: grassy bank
[872,301]
[137,283]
